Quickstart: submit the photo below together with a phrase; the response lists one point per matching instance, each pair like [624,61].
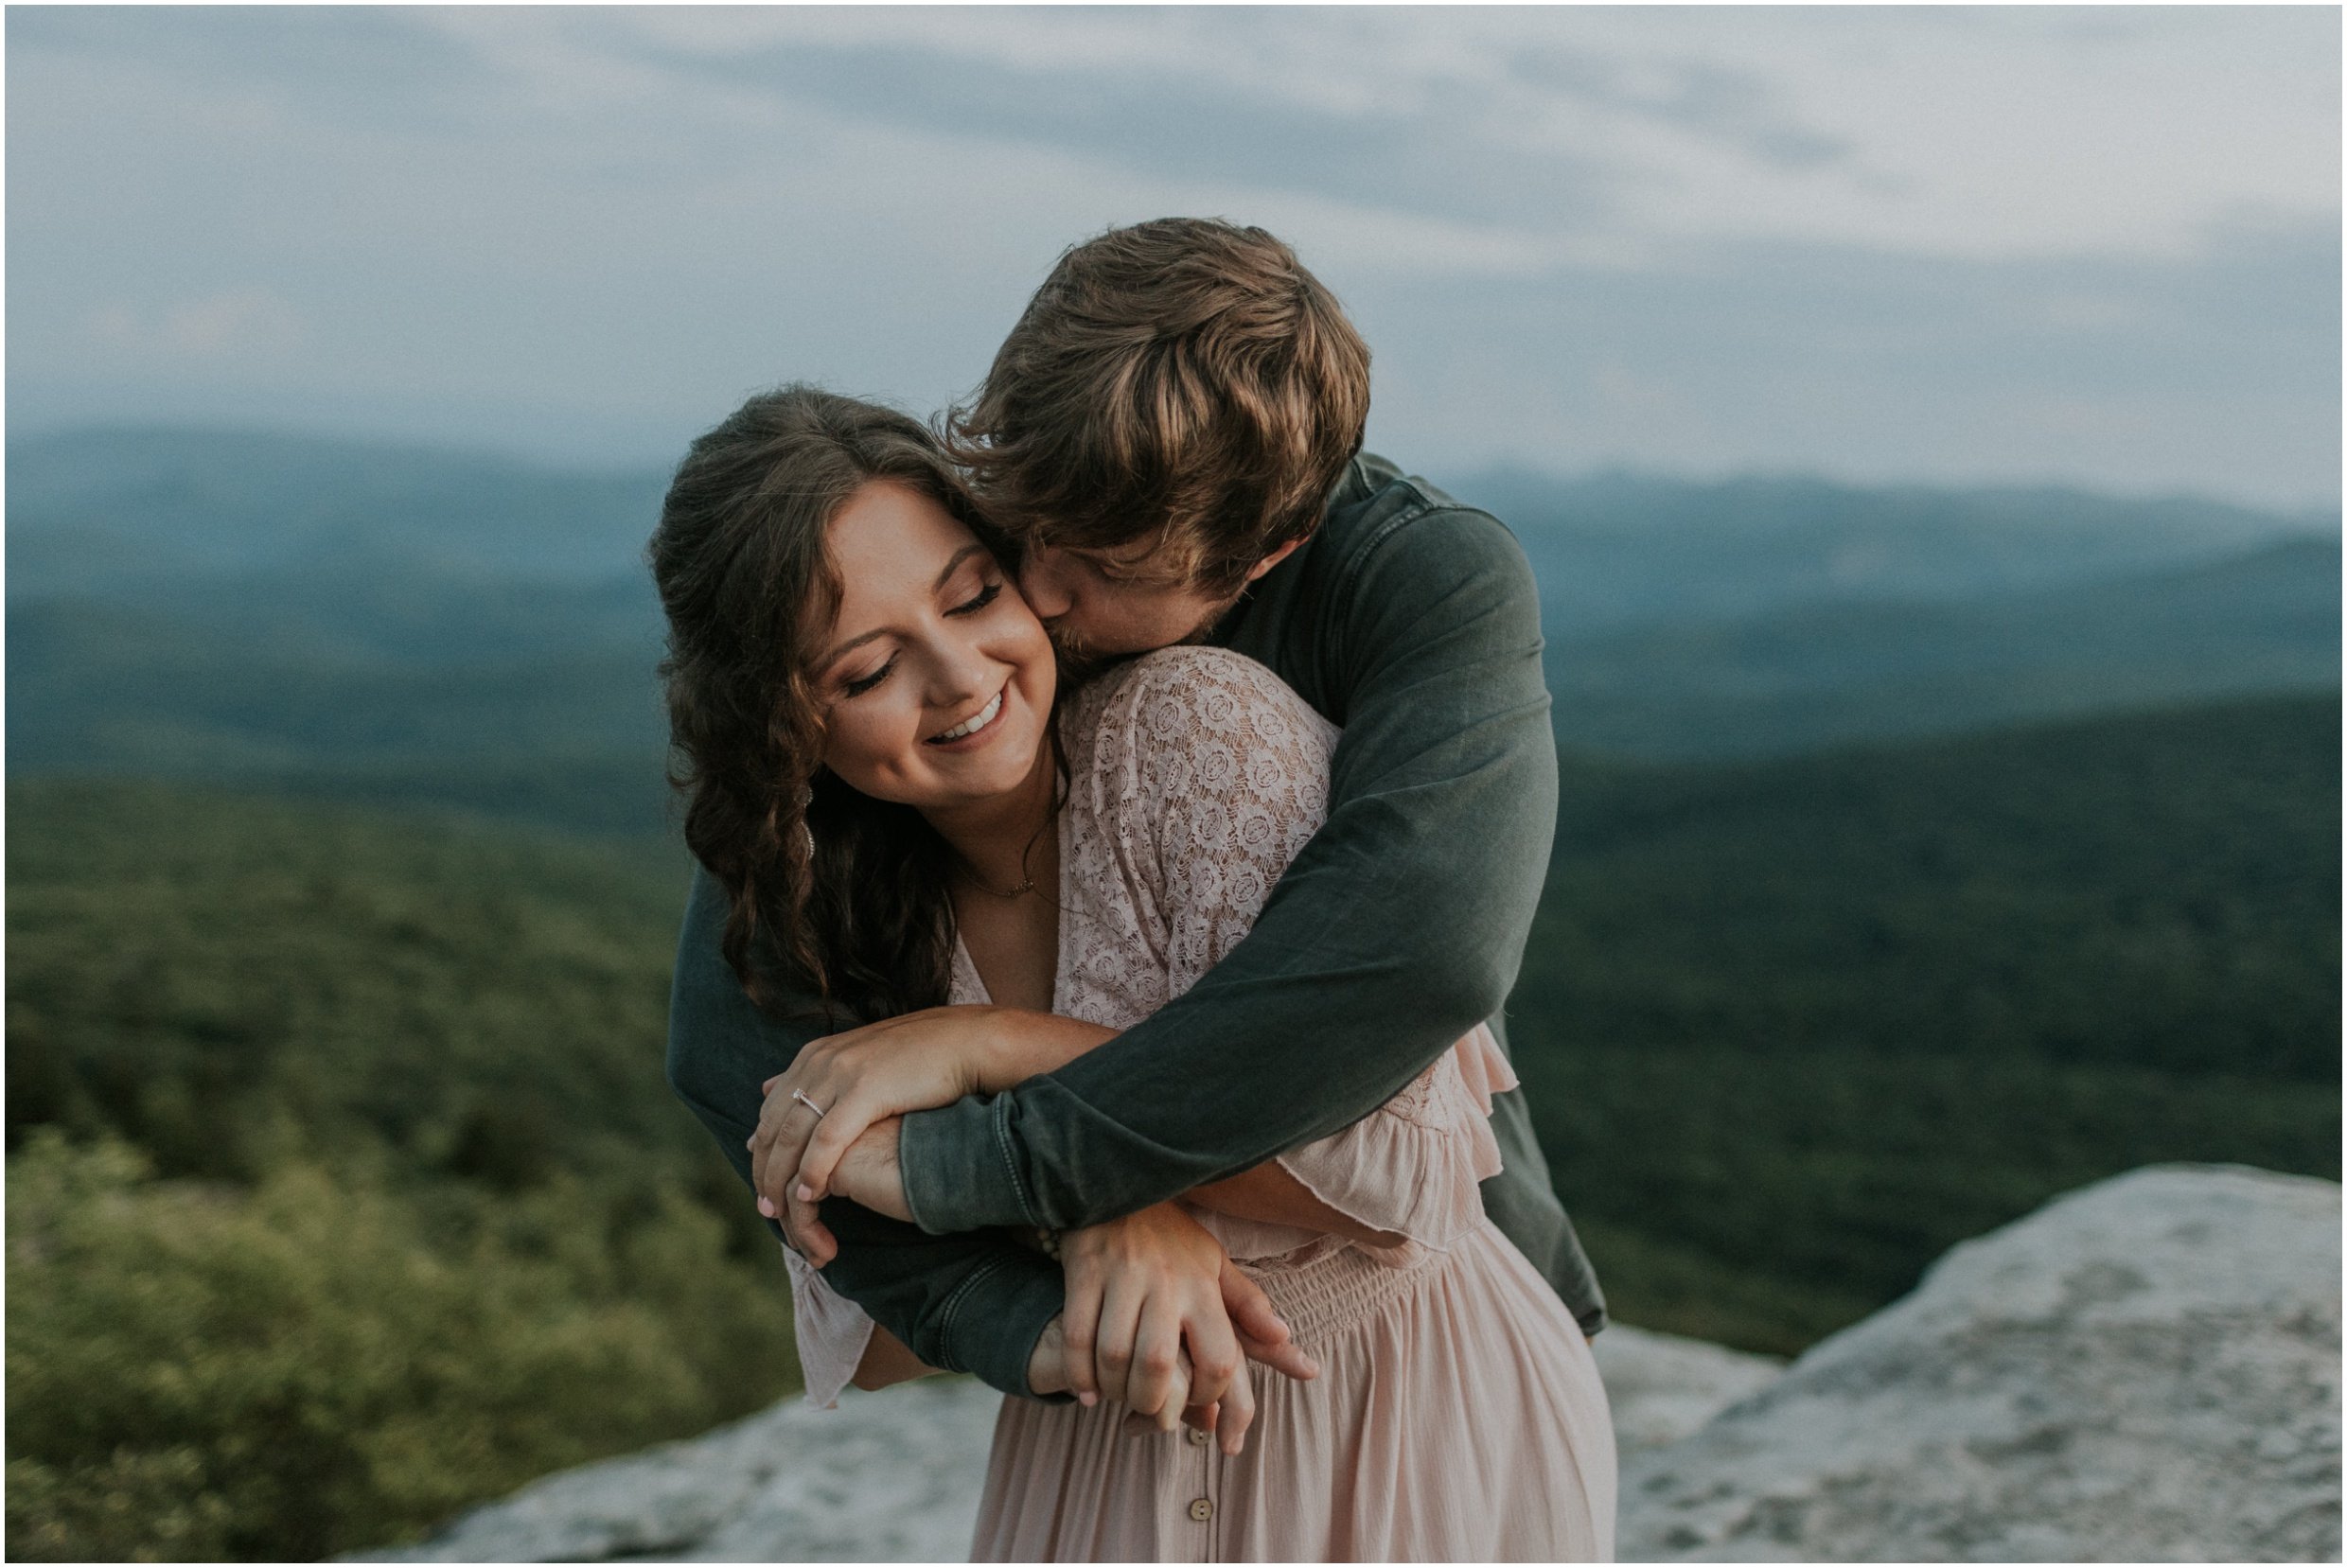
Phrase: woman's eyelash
[986,595]
[857,688]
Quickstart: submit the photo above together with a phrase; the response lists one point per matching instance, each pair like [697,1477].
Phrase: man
[1172,434]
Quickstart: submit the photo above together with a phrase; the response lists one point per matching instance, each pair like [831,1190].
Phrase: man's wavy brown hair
[1182,384]
[847,895]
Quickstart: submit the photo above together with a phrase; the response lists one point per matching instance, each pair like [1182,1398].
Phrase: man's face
[1101,603]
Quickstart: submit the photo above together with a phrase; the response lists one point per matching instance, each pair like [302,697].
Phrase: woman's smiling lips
[973,727]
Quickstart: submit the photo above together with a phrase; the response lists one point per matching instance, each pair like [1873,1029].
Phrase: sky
[2097,246]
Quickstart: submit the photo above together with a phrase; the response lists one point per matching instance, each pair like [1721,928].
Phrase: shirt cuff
[991,1322]
[957,1167]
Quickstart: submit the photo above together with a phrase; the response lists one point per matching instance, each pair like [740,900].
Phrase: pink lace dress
[1457,1414]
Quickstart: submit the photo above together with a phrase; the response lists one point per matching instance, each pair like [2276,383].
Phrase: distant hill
[1620,550]
[115,511]
[1794,679]
[542,701]
[111,511]
[384,624]
[131,692]
[1792,1028]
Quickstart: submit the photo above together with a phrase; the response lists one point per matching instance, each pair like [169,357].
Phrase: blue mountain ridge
[384,621]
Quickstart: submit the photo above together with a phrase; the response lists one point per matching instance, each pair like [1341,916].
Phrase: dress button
[1201,1508]
[1197,1435]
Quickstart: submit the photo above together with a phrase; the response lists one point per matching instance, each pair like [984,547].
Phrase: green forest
[1792,1030]
[345,1189]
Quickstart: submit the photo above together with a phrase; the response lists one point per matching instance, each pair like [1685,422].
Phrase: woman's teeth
[985,716]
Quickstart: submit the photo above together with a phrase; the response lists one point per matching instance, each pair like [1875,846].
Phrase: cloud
[239,325]
[2219,374]
[1848,236]
[1984,135]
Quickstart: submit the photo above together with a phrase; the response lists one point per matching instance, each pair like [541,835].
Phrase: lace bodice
[1194,777]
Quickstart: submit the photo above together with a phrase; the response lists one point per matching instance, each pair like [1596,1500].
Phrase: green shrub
[197,1370]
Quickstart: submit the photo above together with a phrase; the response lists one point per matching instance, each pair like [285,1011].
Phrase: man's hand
[1048,1374]
[1160,1319]
[867,1173]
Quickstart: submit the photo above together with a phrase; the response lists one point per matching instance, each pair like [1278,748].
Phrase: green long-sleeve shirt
[1410,622]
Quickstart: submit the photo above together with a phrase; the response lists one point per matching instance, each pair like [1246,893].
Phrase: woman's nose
[1043,578]
[963,673]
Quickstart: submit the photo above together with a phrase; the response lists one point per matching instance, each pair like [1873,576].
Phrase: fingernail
[766,1208]
[1088,1399]
[804,1193]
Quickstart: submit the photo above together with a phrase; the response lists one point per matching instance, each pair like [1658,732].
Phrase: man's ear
[1273,559]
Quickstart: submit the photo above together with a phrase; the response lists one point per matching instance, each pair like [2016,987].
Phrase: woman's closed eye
[865,683]
[985,597]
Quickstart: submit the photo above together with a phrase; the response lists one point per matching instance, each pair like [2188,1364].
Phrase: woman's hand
[913,1063]
[1049,1370]
[869,1174]
[1047,1373]
[1160,1319]
[910,1063]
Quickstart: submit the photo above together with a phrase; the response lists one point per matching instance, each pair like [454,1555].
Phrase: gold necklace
[970,873]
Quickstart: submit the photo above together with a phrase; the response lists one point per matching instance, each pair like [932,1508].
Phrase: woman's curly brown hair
[838,891]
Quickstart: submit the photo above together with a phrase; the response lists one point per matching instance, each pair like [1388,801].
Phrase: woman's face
[937,680]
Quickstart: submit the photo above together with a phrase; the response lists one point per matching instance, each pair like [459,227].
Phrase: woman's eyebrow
[955,564]
[832,656]
[942,578]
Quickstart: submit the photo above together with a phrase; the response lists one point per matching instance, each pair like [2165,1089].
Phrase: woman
[907,810]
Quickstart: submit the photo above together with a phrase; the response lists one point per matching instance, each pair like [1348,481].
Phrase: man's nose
[1043,581]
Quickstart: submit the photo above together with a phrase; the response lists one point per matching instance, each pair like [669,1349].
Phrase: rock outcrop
[2146,1368]
[1661,1387]
[889,1477]
[894,1477]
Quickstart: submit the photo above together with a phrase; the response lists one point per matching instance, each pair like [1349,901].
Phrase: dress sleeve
[1414,1165]
[1211,775]
[832,1331]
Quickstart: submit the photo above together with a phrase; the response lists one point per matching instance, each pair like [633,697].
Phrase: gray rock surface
[894,1477]
[889,1477]
[2144,1369]
[1663,1387]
